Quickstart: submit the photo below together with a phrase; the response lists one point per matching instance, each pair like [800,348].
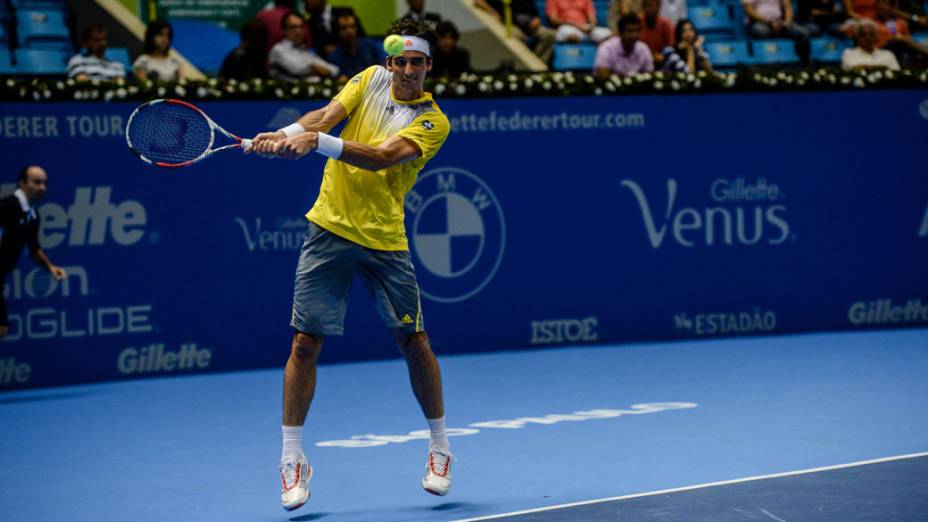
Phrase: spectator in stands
[866,55]
[673,10]
[448,59]
[290,59]
[820,15]
[354,54]
[774,19]
[91,63]
[417,12]
[322,20]
[156,62]
[249,59]
[525,18]
[656,31]
[892,32]
[271,20]
[624,54]
[575,21]
[688,55]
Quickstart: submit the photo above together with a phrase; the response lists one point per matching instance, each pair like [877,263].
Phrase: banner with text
[540,222]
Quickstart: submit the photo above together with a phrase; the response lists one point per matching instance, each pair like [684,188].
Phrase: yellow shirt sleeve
[429,131]
[351,94]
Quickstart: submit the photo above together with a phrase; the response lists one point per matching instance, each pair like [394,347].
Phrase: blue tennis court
[808,427]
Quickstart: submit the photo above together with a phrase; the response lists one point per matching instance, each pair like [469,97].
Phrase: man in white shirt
[291,60]
[866,55]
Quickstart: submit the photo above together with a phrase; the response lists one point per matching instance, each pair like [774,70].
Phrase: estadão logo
[756,216]
[458,233]
[726,323]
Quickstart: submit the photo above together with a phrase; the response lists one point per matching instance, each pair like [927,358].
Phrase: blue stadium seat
[42,29]
[6,64]
[828,49]
[728,55]
[774,52]
[39,4]
[41,61]
[121,55]
[573,57]
[712,21]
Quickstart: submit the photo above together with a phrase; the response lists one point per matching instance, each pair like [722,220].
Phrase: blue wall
[587,220]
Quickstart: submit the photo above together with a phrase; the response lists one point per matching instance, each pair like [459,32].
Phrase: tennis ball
[393,44]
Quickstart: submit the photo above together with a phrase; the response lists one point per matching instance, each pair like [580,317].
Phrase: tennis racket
[173,133]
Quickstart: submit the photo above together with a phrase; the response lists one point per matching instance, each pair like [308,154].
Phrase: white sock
[438,437]
[292,440]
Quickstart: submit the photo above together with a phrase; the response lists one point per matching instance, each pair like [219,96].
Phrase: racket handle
[246,145]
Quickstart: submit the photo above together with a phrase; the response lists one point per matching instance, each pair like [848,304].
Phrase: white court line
[700,486]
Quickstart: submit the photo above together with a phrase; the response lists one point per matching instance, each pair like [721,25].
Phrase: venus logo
[458,233]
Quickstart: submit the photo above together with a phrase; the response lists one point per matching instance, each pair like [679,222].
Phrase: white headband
[414,43]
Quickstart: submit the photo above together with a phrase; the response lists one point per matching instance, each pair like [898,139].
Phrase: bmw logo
[458,233]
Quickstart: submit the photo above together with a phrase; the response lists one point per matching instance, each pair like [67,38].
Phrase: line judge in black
[19,226]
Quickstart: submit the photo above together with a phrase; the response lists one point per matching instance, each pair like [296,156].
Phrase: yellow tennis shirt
[365,206]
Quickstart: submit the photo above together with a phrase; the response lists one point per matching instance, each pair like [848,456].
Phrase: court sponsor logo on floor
[458,233]
[887,312]
[726,323]
[737,212]
[371,440]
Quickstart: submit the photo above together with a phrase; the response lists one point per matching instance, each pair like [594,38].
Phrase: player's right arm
[319,120]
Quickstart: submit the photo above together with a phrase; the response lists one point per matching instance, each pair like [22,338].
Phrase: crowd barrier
[542,221]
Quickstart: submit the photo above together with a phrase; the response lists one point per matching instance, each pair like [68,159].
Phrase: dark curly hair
[413,27]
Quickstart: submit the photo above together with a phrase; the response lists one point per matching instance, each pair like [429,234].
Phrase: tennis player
[356,228]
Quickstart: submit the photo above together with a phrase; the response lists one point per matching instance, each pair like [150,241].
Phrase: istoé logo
[752,214]
[458,233]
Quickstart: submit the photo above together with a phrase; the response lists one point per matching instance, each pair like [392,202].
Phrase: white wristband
[329,145]
[292,130]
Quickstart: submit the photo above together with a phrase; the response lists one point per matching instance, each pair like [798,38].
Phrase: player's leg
[391,280]
[323,277]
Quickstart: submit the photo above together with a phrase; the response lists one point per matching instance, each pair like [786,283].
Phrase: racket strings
[169,133]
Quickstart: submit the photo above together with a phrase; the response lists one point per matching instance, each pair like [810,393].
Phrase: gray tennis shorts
[328,263]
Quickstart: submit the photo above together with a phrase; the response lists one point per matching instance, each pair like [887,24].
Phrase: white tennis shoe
[437,479]
[295,474]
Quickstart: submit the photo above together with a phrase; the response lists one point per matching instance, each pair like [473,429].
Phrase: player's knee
[413,343]
[306,346]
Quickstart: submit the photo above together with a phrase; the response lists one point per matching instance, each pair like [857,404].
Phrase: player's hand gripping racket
[174,133]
